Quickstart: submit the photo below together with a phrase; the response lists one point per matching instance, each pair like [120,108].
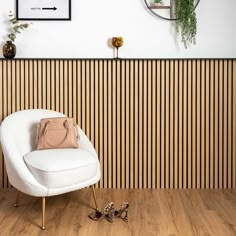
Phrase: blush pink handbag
[57,132]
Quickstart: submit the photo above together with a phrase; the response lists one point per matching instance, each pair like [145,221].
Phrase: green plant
[157,1]
[16,28]
[186,20]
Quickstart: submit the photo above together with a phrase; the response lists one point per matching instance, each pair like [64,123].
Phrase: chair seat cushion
[56,168]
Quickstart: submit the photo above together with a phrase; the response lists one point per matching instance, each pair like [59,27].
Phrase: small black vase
[9,50]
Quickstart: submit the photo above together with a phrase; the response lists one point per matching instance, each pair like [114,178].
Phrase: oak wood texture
[151,212]
[154,123]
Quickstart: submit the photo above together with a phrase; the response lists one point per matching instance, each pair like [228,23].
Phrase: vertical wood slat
[109,120]
[167,124]
[199,149]
[127,133]
[1,118]
[132,126]
[185,125]
[203,122]
[217,125]
[158,141]
[212,120]
[207,125]
[176,126]
[233,124]
[4,110]
[140,123]
[154,123]
[171,122]
[123,127]
[229,128]
[220,125]
[162,124]
[189,124]
[194,126]
[180,125]
[149,168]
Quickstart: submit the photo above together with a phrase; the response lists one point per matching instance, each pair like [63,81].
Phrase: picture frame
[43,10]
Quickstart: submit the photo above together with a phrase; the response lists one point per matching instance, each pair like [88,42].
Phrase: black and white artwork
[43,9]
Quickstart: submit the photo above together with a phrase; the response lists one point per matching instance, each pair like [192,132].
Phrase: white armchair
[44,173]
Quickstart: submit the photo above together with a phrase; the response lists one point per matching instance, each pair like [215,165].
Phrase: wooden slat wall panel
[233,124]
[154,123]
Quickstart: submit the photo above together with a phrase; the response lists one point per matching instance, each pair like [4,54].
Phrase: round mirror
[164,9]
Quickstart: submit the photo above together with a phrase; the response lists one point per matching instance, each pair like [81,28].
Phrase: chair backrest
[20,128]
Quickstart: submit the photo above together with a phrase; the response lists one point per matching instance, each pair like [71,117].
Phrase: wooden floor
[152,212]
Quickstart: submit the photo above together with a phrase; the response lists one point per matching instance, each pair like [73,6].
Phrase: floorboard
[152,212]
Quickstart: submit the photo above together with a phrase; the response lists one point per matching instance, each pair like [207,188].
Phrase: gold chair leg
[17,199]
[95,199]
[43,212]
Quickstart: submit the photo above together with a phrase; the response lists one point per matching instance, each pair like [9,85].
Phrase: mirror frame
[147,3]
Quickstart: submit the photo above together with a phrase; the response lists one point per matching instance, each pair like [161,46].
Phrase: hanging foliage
[186,21]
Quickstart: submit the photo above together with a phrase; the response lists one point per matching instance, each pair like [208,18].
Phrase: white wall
[95,21]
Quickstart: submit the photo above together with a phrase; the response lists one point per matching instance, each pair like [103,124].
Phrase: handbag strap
[37,134]
[76,131]
[47,124]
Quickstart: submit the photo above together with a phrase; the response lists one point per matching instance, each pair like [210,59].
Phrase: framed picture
[43,9]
